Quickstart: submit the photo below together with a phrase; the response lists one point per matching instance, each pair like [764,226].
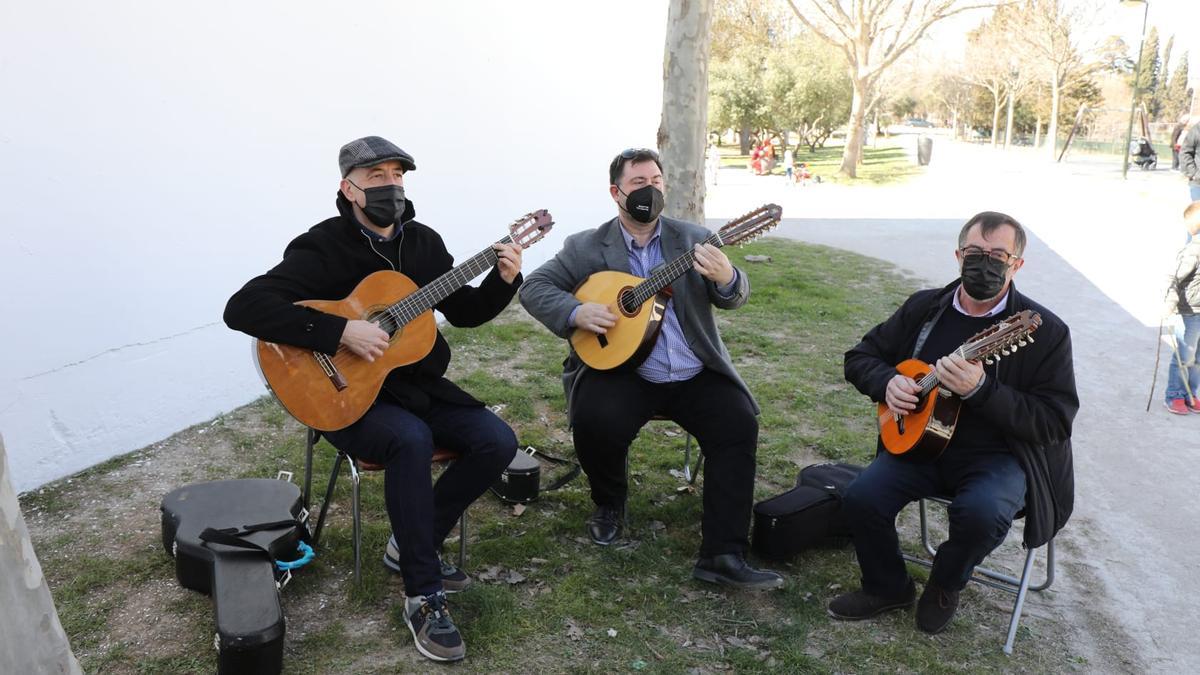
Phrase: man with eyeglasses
[1011,449]
[687,377]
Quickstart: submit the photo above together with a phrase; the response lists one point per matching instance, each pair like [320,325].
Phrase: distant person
[1183,306]
[803,175]
[1189,147]
[789,166]
[713,161]
[1011,449]
[1176,134]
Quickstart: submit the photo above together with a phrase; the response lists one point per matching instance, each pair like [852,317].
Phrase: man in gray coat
[687,376]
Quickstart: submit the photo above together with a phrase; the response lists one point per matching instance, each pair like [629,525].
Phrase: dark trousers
[988,490]
[422,514]
[611,407]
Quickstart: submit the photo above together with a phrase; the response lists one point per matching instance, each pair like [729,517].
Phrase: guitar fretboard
[639,294]
[429,295]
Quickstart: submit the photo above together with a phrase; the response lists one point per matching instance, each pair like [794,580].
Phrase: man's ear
[613,192]
[344,186]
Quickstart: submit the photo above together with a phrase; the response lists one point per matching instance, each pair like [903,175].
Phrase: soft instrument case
[225,537]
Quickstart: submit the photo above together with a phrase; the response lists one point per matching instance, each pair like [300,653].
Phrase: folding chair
[440,456]
[992,578]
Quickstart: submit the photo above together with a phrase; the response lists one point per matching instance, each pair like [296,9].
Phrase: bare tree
[31,638]
[684,126]
[1051,32]
[872,34]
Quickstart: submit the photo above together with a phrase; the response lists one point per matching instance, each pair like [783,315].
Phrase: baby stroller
[1142,154]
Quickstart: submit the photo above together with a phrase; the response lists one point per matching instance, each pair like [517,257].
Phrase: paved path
[1100,248]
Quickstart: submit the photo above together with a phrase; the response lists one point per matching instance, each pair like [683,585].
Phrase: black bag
[792,522]
[225,537]
[521,482]
[833,478]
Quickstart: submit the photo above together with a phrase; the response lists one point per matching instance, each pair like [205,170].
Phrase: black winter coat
[328,261]
[1030,395]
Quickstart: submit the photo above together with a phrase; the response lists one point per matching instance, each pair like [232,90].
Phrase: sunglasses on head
[630,153]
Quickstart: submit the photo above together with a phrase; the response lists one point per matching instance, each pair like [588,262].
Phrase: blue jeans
[1194,191]
[421,513]
[1187,338]
[988,490]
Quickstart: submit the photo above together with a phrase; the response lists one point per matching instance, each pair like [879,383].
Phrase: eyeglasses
[630,153]
[997,254]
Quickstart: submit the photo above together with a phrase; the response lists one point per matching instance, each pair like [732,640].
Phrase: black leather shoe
[604,525]
[859,605]
[936,608]
[731,569]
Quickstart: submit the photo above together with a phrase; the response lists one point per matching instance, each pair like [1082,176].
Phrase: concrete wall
[154,156]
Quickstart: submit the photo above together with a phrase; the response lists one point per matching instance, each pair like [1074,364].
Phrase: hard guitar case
[241,579]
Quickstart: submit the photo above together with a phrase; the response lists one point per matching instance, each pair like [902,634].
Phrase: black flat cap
[372,150]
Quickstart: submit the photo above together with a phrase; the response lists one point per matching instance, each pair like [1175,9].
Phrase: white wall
[155,155]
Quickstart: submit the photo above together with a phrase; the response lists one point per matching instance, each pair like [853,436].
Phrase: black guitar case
[225,536]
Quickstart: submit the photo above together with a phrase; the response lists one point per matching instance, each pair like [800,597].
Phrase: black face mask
[385,204]
[983,277]
[644,204]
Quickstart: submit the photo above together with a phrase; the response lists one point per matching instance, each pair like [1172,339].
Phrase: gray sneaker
[434,633]
[453,579]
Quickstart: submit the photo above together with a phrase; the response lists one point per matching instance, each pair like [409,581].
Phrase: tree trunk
[31,638]
[1037,133]
[995,117]
[684,125]
[744,140]
[1052,125]
[852,154]
[1008,125]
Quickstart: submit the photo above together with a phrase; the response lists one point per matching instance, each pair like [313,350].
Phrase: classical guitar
[332,391]
[925,432]
[640,303]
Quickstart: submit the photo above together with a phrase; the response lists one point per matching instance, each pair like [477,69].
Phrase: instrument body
[633,336]
[315,397]
[332,391]
[641,303]
[925,432]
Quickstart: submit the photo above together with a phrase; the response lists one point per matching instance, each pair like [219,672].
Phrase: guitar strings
[398,314]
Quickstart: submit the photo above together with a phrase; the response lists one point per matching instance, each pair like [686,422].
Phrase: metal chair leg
[311,437]
[1019,604]
[354,480]
[462,540]
[337,466]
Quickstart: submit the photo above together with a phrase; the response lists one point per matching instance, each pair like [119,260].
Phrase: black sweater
[1031,398]
[328,261]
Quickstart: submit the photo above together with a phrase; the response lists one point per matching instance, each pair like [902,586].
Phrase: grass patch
[807,307]
[882,164]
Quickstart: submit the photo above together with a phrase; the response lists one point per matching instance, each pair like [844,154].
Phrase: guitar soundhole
[626,302]
[386,322]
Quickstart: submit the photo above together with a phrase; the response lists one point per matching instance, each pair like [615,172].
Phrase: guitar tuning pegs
[1004,351]
[1022,342]
[1014,347]
[1030,338]
[988,360]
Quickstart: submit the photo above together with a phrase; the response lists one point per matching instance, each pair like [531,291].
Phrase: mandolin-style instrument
[640,303]
[926,431]
[332,391]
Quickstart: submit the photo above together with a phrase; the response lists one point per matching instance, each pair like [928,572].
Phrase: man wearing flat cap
[375,229]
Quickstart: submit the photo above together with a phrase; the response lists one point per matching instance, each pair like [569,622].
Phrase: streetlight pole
[1137,77]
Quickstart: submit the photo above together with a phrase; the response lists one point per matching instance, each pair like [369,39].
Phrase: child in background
[1183,300]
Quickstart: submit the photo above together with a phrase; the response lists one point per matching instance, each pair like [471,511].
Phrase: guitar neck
[930,380]
[429,295]
[666,274]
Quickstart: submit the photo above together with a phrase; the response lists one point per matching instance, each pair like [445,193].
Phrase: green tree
[1146,82]
[1178,98]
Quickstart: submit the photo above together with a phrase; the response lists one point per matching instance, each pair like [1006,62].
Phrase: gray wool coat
[547,294]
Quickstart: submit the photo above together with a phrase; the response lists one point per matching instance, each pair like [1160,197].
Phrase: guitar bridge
[331,371]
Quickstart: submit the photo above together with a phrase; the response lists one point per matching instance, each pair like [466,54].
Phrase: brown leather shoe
[936,608]
[859,605]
